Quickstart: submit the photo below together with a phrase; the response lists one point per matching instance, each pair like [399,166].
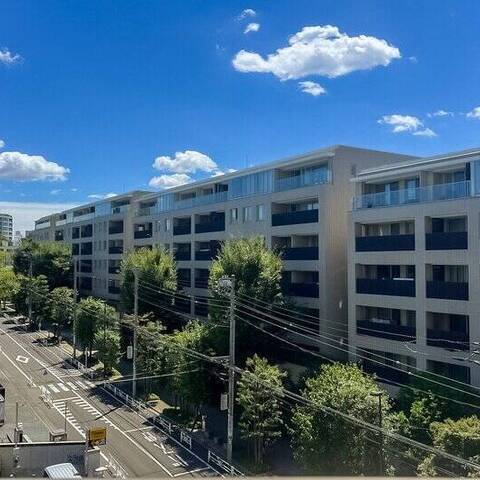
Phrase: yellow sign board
[97,435]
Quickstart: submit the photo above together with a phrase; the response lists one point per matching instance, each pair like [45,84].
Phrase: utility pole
[65,417]
[104,339]
[381,457]
[135,325]
[75,308]
[230,283]
[30,275]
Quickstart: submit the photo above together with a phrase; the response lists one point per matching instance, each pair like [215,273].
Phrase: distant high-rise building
[6,227]
[17,238]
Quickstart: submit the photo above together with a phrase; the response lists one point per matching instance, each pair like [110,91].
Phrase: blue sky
[104,88]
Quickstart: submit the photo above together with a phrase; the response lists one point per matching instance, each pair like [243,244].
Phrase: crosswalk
[64,407]
[69,386]
[63,372]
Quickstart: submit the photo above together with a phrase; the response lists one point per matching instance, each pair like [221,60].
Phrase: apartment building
[414,267]
[6,227]
[299,205]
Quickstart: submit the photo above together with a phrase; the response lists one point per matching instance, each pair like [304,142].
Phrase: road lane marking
[189,472]
[138,429]
[22,359]
[52,387]
[72,385]
[82,385]
[63,387]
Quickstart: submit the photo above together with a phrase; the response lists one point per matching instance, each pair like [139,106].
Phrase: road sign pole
[135,325]
[231,372]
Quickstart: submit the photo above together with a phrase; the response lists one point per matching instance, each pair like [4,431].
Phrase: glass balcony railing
[386,330]
[446,241]
[299,181]
[448,339]
[120,209]
[401,287]
[447,290]
[385,243]
[430,193]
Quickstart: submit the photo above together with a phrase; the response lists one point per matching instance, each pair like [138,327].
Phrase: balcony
[85,268]
[430,193]
[446,241]
[399,288]
[182,229]
[75,249]
[59,236]
[215,225]
[309,290]
[114,270]
[86,249]
[448,339]
[300,253]
[294,218]
[385,243]
[395,374]
[447,290]
[201,282]
[114,229]
[75,233]
[182,256]
[86,232]
[142,234]
[114,290]
[388,331]
[115,250]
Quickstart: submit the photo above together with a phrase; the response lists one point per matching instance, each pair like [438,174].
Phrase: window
[233,215]
[260,213]
[247,214]
[167,224]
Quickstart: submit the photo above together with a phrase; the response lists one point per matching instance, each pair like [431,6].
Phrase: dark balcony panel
[448,290]
[115,250]
[398,288]
[182,304]
[86,249]
[182,229]
[294,218]
[75,249]
[201,282]
[300,253]
[86,232]
[113,289]
[114,270]
[388,331]
[182,256]
[385,374]
[200,309]
[59,236]
[85,283]
[75,233]
[86,268]
[446,241]
[301,289]
[385,243]
[112,230]
[217,225]
[142,234]
[449,340]
[204,255]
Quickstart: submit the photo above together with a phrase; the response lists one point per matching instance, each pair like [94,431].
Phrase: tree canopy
[61,306]
[9,285]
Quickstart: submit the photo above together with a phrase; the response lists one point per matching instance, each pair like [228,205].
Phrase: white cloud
[2,143]
[313,88]
[319,50]
[55,191]
[475,113]
[440,113]
[101,196]
[218,173]
[189,161]
[24,167]
[426,132]
[252,27]
[407,123]
[25,213]
[413,59]
[74,189]
[248,12]
[9,58]
[169,181]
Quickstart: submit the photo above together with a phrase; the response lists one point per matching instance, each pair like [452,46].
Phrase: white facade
[6,227]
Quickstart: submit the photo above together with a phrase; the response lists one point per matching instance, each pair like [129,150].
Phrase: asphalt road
[133,443]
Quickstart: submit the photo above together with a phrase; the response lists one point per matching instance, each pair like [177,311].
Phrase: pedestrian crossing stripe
[57,387]
[53,388]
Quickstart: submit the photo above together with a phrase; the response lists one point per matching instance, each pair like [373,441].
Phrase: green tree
[328,444]
[93,314]
[107,343]
[61,306]
[35,289]
[9,285]
[150,349]
[257,272]
[51,259]
[156,272]
[259,396]
[458,437]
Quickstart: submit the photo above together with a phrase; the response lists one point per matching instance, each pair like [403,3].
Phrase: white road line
[192,471]
[53,388]
[138,429]
[63,387]
[82,385]
[72,385]
[90,384]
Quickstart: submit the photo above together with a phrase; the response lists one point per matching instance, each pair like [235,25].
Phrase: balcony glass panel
[385,243]
[300,253]
[399,288]
[182,229]
[386,330]
[447,290]
[446,241]
[448,339]
[142,234]
[301,289]
[294,218]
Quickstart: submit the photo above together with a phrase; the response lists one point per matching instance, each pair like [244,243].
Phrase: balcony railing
[75,233]
[86,268]
[114,270]
[299,181]
[395,375]
[201,200]
[120,209]
[211,226]
[389,331]
[86,250]
[450,340]
[446,241]
[142,234]
[182,229]
[114,229]
[301,289]
[385,243]
[300,253]
[75,249]
[115,250]
[201,282]
[447,290]
[182,256]
[396,287]
[59,237]
[294,218]
[86,232]
[144,211]
[114,290]
[430,193]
